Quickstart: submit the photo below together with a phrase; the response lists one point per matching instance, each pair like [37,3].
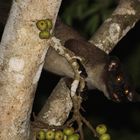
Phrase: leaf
[92,24]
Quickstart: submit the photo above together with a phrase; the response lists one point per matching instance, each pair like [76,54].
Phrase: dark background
[123,119]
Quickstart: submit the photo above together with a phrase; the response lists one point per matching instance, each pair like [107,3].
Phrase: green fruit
[59,135]
[74,137]
[49,23]
[44,34]
[42,25]
[65,137]
[101,129]
[41,135]
[50,134]
[105,137]
[68,131]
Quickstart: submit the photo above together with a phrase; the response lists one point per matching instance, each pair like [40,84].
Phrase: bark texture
[58,102]
[22,55]
[117,25]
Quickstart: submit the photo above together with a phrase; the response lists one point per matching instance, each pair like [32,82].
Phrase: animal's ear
[113,64]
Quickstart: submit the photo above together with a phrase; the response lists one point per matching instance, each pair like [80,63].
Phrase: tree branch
[58,102]
[117,25]
[63,32]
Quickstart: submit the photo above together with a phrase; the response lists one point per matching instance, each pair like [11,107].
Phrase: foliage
[86,15]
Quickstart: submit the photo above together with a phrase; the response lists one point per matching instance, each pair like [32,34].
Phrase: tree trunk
[22,55]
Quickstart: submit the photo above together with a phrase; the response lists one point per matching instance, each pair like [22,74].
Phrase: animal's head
[117,81]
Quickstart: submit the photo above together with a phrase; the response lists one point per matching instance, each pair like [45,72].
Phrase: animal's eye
[119,78]
[128,91]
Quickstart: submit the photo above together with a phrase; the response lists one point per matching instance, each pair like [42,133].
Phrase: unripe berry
[101,129]
[49,23]
[41,135]
[42,25]
[74,137]
[59,135]
[68,131]
[105,137]
[50,134]
[44,34]
[65,137]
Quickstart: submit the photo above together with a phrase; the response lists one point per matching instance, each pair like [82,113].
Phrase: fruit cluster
[44,25]
[101,129]
[65,134]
